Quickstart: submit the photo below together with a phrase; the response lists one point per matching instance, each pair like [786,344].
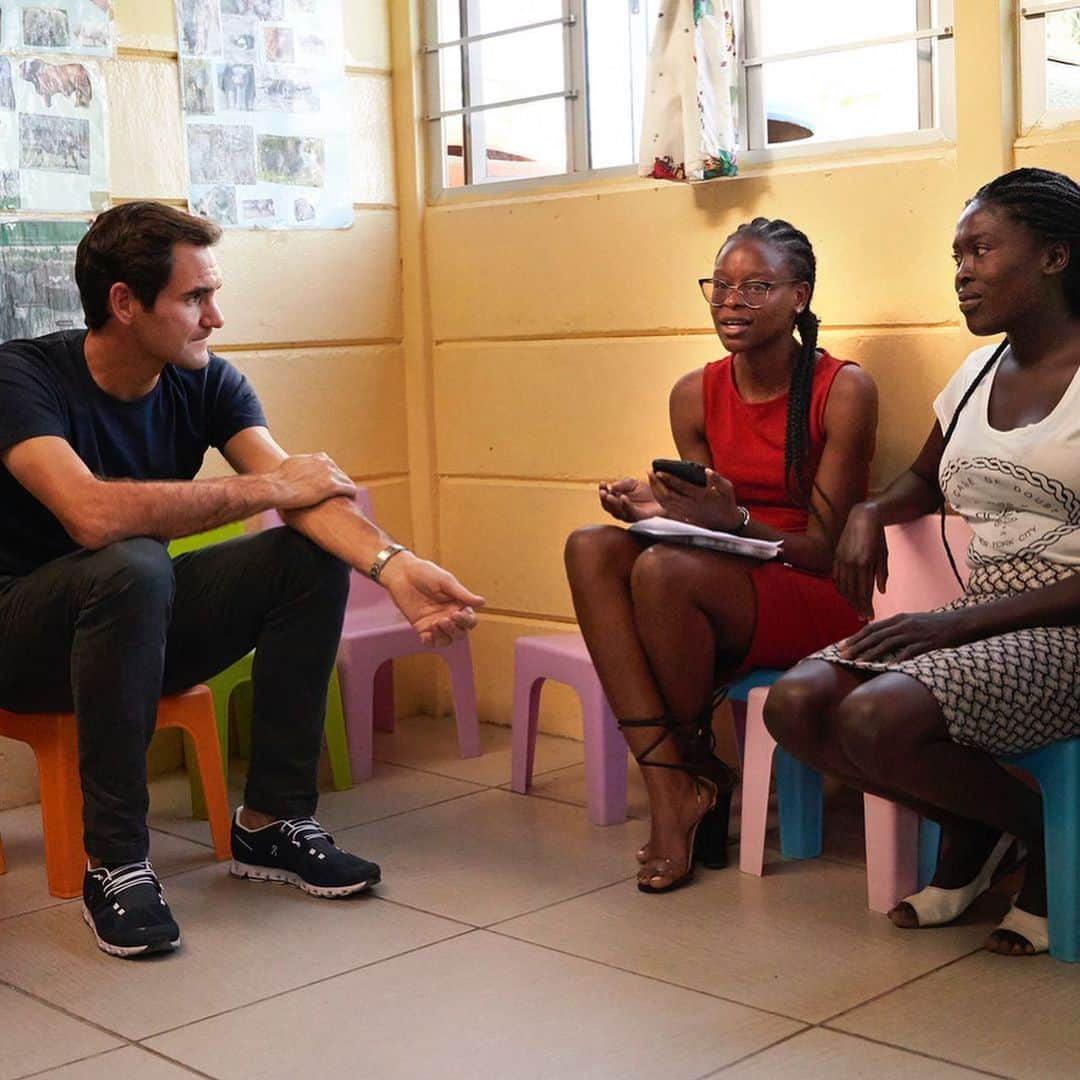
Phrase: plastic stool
[54,740]
[893,864]
[564,658]
[1056,768]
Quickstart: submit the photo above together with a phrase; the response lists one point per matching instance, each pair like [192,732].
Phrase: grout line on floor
[54,1007]
[760,1050]
[899,986]
[917,1053]
[415,809]
[173,1061]
[644,975]
[466,930]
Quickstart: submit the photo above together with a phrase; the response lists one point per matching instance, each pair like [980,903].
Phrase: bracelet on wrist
[382,558]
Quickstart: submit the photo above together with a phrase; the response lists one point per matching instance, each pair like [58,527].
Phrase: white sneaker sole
[126,951]
[287,877]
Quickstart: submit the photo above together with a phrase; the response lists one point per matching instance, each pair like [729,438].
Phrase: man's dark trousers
[105,633]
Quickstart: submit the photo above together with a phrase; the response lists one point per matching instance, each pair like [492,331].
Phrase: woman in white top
[914,707]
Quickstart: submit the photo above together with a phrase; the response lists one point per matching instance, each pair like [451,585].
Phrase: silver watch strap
[383,558]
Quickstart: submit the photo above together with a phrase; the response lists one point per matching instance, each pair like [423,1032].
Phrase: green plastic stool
[237,677]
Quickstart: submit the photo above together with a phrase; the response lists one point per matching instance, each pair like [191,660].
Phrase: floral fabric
[690,128]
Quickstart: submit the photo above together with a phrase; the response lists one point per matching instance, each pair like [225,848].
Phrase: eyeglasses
[751,293]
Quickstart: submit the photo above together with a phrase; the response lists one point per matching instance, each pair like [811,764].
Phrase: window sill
[1060,125]
[753,164]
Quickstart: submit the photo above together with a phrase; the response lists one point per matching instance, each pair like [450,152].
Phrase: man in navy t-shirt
[102,433]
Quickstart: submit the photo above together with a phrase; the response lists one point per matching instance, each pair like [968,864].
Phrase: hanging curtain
[690,127]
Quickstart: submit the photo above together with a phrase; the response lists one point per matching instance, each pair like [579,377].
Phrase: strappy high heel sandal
[697,747]
[706,839]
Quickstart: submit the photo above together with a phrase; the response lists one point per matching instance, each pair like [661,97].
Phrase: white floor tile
[241,941]
[493,855]
[799,941]
[1010,1015]
[818,1054]
[130,1063]
[479,1006]
[35,1037]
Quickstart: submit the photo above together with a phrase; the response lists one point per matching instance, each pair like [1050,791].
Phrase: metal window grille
[1035,61]
[466,111]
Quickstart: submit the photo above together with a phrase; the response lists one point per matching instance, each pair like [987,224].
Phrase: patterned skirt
[1006,694]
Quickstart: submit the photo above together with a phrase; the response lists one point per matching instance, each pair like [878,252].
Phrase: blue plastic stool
[798,786]
[1056,769]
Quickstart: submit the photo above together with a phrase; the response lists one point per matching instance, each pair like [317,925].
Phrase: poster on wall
[38,293]
[73,27]
[263,91]
[52,135]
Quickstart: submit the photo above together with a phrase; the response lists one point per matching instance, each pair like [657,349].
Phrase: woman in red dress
[786,433]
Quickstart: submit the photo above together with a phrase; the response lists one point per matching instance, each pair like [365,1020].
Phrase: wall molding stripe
[272,346]
[678,332]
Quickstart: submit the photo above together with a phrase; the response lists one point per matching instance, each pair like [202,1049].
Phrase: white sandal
[1032,928]
[934,906]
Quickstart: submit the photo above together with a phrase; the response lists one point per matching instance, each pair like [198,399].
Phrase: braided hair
[1047,203]
[803,266]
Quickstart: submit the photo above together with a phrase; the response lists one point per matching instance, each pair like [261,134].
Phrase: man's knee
[310,563]
[136,572]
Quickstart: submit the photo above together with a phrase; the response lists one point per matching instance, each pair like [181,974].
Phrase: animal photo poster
[262,87]
[72,27]
[52,134]
[38,293]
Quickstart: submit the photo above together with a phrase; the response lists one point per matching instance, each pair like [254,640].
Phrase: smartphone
[693,472]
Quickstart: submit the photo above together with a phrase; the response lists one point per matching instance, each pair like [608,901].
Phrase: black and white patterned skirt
[1006,694]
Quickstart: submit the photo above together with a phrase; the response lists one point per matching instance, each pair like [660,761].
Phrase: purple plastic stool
[563,658]
[374,635]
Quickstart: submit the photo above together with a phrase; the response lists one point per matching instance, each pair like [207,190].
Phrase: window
[1049,62]
[521,89]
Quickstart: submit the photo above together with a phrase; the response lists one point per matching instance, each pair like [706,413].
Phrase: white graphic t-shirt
[1019,490]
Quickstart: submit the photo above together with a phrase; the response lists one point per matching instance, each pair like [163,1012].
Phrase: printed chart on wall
[52,135]
[74,27]
[263,90]
[37,277]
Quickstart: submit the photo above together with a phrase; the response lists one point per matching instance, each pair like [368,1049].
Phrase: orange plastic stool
[53,738]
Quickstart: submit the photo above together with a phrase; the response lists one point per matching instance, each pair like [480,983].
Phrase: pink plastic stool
[892,832]
[919,578]
[563,658]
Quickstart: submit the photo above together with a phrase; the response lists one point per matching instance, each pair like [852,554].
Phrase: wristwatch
[383,558]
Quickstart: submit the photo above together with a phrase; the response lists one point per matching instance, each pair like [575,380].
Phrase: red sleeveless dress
[797,612]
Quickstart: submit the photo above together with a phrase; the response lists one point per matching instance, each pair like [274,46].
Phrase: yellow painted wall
[560,318]
[314,319]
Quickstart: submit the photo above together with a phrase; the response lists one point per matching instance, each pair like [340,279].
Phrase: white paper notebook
[679,532]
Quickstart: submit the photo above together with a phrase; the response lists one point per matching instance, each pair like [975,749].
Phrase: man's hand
[308,479]
[629,500]
[439,607]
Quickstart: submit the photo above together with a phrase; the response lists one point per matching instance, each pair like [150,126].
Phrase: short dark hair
[1047,203]
[133,243]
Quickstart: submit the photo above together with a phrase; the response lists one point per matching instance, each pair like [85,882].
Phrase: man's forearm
[338,527]
[117,509]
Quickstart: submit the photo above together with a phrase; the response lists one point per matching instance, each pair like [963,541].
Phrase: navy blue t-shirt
[46,389]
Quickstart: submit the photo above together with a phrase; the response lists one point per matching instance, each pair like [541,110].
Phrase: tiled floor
[508,941]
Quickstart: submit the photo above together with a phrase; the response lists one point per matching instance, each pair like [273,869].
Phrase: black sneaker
[300,852]
[126,911]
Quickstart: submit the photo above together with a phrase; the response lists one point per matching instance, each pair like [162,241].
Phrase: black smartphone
[693,472]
